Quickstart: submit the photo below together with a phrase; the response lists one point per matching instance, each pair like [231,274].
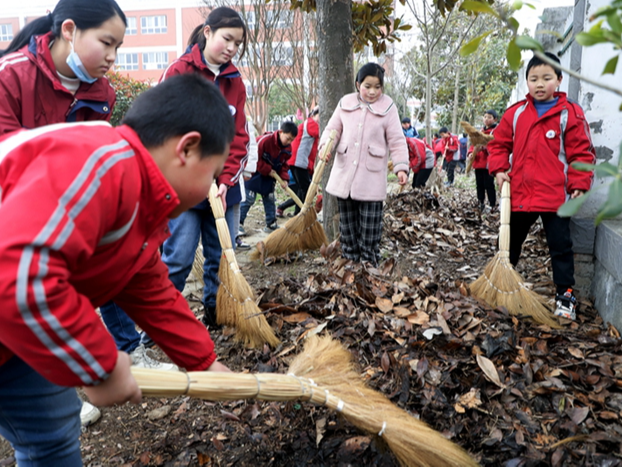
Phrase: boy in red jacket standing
[83,211]
[274,150]
[545,133]
[451,152]
[484,182]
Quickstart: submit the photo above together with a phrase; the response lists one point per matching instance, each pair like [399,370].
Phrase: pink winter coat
[366,134]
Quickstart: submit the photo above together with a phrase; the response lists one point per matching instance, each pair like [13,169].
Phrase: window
[250,20]
[130,29]
[155,60]
[6,32]
[153,24]
[283,56]
[126,62]
[278,19]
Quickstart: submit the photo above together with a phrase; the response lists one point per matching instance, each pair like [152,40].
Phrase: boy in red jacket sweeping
[83,211]
[274,150]
[545,133]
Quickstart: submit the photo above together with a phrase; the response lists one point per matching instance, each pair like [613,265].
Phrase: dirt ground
[428,261]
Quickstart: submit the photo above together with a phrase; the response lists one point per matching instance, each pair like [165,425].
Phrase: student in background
[274,150]
[304,152]
[484,182]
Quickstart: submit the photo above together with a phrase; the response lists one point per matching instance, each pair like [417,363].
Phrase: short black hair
[181,104]
[289,127]
[536,61]
[443,130]
[371,69]
[405,120]
[493,113]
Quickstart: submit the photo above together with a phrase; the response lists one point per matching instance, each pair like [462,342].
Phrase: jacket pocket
[340,154]
[377,159]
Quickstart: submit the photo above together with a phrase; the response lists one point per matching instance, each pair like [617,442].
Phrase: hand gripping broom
[303,231]
[235,300]
[324,373]
[288,190]
[501,285]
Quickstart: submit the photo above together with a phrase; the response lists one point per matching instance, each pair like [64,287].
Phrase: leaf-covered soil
[510,392]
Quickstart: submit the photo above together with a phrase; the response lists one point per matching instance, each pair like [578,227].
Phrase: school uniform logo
[550,134]
[232,109]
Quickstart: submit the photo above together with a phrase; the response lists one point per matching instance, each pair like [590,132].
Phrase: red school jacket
[304,146]
[451,148]
[83,211]
[419,154]
[480,158]
[543,149]
[269,146]
[230,83]
[31,93]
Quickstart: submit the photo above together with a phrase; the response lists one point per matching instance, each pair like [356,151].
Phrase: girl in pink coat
[368,130]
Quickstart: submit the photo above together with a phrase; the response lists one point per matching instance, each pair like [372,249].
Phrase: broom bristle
[324,362]
[501,285]
[253,328]
[301,233]
[328,364]
[226,305]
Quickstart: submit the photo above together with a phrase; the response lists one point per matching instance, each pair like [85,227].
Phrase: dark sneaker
[271,228]
[209,318]
[241,245]
[566,305]
[241,231]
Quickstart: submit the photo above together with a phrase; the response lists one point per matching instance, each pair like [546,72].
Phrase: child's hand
[402,177]
[222,194]
[120,387]
[576,194]
[502,177]
[284,185]
[217,366]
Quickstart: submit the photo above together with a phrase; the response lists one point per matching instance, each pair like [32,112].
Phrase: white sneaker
[89,414]
[141,359]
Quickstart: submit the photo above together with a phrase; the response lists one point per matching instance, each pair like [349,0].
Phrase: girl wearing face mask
[53,70]
[368,130]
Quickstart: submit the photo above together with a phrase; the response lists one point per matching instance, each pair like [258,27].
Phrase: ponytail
[86,15]
[221,17]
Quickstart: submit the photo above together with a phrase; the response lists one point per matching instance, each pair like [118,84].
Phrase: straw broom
[303,231]
[323,373]
[501,285]
[287,189]
[235,300]
[478,140]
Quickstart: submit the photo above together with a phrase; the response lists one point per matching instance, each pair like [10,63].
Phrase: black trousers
[451,168]
[557,231]
[485,185]
[421,177]
[303,180]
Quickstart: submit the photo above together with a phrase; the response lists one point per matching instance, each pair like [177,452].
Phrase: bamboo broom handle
[504,230]
[289,191]
[221,226]
[319,170]
[216,386]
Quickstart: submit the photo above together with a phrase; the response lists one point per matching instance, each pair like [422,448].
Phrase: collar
[194,56]
[39,49]
[155,187]
[351,102]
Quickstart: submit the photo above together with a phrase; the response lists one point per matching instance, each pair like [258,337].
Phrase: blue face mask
[74,62]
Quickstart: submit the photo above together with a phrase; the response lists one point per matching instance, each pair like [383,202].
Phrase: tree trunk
[454,116]
[336,78]
[428,102]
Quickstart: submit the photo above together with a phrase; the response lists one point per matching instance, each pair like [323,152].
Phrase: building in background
[157,31]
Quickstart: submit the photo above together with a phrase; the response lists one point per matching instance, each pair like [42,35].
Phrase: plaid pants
[360,225]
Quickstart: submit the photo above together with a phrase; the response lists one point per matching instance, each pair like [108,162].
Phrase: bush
[126,89]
